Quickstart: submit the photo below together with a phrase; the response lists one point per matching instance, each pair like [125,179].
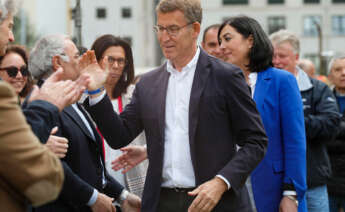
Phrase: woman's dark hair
[261,53]
[101,44]
[21,51]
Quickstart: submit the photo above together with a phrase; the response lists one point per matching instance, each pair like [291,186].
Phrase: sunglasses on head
[12,71]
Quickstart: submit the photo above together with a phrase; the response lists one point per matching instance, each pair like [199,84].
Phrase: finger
[93,57]
[56,76]
[194,205]
[60,155]
[54,130]
[194,192]
[126,149]
[113,209]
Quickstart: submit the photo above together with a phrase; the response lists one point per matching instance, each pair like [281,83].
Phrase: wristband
[123,196]
[93,92]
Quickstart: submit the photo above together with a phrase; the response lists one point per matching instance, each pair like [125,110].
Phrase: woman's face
[13,62]
[115,61]
[235,47]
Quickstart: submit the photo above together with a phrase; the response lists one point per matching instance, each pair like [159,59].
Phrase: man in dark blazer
[194,109]
[92,189]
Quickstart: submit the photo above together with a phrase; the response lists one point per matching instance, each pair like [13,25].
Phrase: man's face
[284,57]
[71,67]
[6,34]
[210,45]
[337,74]
[176,47]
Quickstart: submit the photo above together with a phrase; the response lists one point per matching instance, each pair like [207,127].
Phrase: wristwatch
[293,198]
[123,196]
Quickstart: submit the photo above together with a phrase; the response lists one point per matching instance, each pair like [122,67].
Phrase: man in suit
[194,109]
[84,154]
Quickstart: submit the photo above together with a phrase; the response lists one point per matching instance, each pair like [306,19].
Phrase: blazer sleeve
[293,134]
[42,117]
[125,127]
[247,128]
[27,166]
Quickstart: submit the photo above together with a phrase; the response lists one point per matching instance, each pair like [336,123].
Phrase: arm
[248,129]
[322,124]
[124,128]
[294,144]
[22,152]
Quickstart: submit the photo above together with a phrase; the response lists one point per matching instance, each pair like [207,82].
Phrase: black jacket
[336,151]
[321,120]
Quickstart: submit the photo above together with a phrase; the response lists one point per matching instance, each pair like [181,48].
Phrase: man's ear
[197,28]
[56,62]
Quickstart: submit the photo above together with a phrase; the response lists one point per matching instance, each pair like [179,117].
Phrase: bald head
[307,66]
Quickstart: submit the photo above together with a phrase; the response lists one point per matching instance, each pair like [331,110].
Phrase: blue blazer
[279,103]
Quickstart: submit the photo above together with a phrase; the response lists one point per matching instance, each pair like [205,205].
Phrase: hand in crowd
[207,195]
[131,204]
[103,204]
[88,64]
[287,205]
[59,92]
[132,156]
[56,144]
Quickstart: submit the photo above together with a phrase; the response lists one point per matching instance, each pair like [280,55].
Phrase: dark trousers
[173,200]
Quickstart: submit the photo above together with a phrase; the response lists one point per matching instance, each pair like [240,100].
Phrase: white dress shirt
[177,166]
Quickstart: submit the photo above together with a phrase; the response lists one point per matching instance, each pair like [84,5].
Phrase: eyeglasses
[120,61]
[12,71]
[172,30]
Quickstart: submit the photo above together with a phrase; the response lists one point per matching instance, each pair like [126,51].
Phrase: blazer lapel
[262,84]
[199,82]
[161,88]
[76,118]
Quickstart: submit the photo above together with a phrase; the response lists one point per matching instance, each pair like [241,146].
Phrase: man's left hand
[88,64]
[207,195]
[287,205]
[131,204]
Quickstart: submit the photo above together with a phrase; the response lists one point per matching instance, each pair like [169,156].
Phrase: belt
[178,190]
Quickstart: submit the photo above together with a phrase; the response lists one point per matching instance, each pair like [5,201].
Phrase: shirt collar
[190,65]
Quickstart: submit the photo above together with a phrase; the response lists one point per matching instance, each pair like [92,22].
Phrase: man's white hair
[7,7]
[337,56]
[41,56]
[283,36]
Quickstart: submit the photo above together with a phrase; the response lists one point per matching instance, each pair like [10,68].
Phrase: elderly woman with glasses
[115,54]
[13,69]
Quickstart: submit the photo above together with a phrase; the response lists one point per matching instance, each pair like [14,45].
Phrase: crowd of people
[239,123]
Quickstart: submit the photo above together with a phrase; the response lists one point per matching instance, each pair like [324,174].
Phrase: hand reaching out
[58,92]
[132,156]
[88,64]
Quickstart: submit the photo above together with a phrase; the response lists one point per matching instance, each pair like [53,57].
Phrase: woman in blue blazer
[280,179]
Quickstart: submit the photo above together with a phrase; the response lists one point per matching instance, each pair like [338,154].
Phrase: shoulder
[6,90]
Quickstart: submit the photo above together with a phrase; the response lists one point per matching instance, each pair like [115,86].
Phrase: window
[338,24]
[311,1]
[126,12]
[101,13]
[309,25]
[338,1]
[275,1]
[235,1]
[276,23]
